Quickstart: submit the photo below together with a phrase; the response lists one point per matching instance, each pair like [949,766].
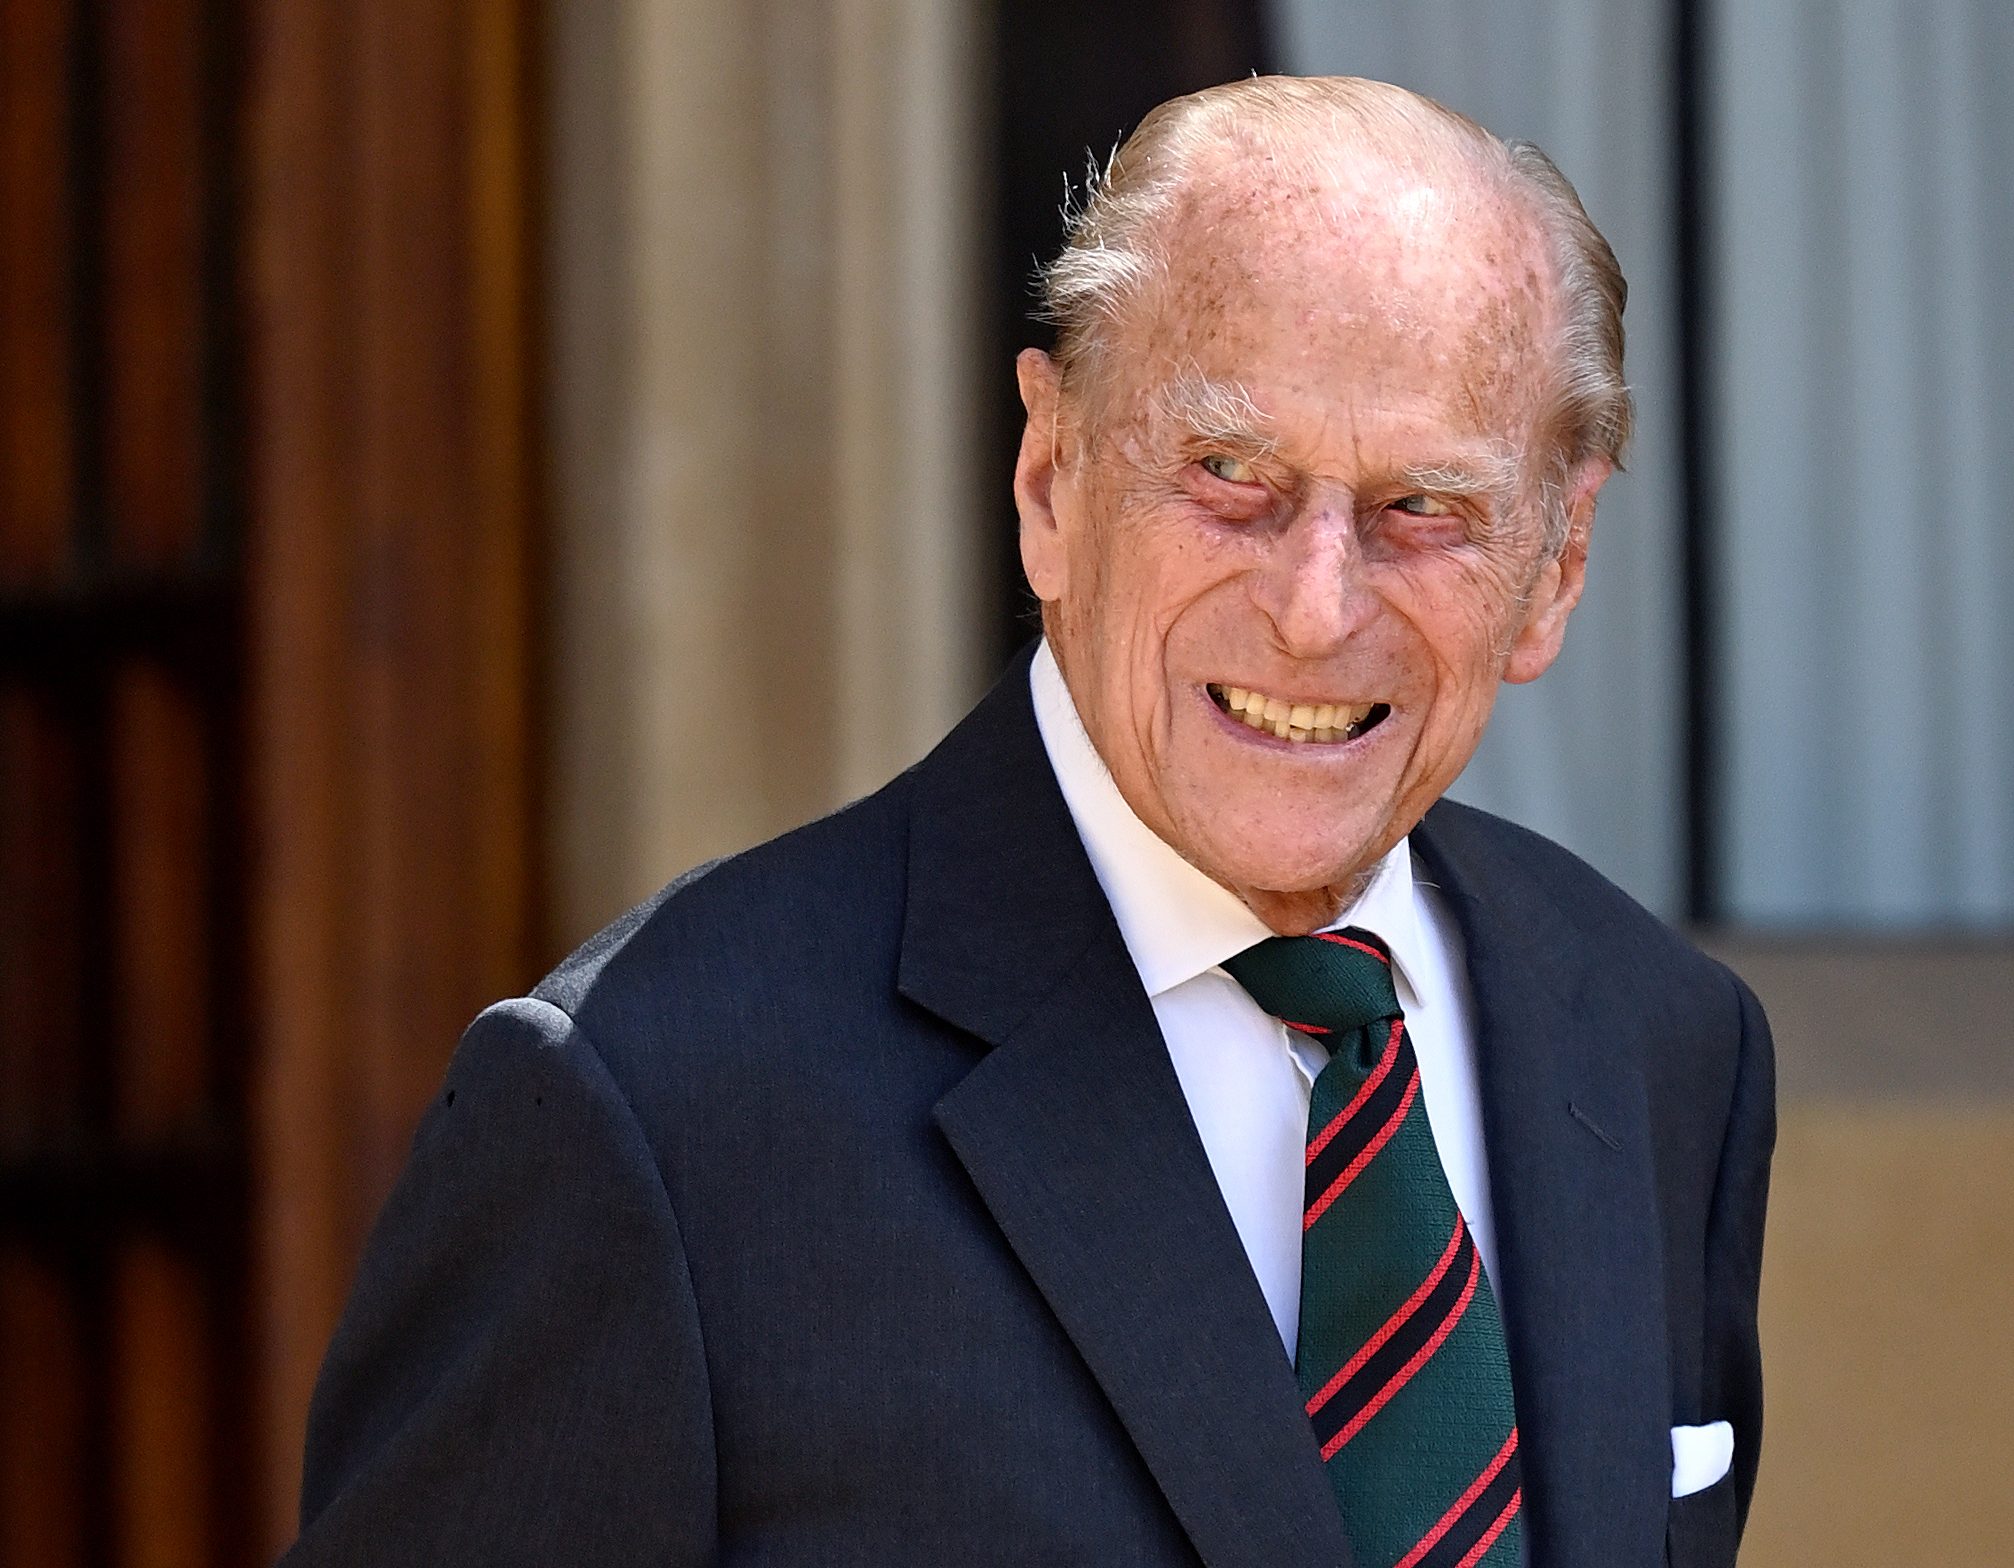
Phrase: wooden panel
[304,588]
[389,227]
[503,115]
[164,1438]
[42,1047]
[161,788]
[37,452]
[122,1209]
[155,171]
[43,1486]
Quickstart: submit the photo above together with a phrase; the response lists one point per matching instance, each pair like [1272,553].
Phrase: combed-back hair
[1115,233]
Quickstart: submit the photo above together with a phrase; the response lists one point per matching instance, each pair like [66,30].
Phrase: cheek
[1465,617]
[1113,614]
[1162,576]
[1088,570]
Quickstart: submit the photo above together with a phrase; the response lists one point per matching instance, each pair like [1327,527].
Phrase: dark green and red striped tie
[1401,1356]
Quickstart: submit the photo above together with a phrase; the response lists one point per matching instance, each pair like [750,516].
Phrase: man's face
[1307,481]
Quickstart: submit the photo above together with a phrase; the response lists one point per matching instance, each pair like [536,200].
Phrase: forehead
[1380,291]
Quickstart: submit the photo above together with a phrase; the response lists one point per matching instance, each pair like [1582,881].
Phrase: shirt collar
[1175,921]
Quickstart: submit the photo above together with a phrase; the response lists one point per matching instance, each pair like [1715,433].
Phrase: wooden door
[266,682]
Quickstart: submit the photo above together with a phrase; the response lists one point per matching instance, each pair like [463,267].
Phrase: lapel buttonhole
[1594,1127]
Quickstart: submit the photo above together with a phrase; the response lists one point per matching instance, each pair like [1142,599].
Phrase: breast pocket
[1700,1531]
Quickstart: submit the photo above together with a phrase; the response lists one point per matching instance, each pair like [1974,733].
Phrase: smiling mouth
[1320,724]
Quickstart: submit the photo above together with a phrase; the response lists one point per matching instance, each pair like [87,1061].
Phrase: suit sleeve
[518,1377]
[1733,1362]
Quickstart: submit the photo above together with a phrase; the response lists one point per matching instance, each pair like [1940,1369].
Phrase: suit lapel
[1573,1188]
[1075,1133]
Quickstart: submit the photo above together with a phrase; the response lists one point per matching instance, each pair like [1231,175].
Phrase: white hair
[1215,412]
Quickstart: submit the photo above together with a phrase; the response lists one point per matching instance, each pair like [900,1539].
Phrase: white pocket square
[1700,1456]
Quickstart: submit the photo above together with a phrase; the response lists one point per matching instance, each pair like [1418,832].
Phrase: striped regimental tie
[1401,1357]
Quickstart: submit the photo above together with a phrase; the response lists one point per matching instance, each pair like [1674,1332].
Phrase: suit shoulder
[1492,844]
[1688,1019]
[806,912]
[1599,915]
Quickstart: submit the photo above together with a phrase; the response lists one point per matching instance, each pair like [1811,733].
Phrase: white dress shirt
[1245,1075]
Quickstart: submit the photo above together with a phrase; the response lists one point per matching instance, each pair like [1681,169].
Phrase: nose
[1312,585]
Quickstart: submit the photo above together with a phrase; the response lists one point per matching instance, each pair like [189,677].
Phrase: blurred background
[464,461]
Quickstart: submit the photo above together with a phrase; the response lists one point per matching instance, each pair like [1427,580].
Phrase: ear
[1560,580]
[1035,475]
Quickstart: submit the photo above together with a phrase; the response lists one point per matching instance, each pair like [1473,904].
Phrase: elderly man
[1152,1130]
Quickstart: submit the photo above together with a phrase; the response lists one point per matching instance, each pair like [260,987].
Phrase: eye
[1232,470]
[1422,506]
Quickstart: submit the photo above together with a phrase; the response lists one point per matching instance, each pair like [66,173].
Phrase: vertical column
[759,254]
[905,303]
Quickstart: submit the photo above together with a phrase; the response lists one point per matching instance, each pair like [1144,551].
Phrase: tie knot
[1335,982]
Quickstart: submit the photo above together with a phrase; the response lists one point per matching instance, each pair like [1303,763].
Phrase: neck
[1305,911]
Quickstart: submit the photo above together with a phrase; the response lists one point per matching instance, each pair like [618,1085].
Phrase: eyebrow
[1219,412]
[1496,470]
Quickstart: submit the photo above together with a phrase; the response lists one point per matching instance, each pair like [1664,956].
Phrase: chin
[1291,866]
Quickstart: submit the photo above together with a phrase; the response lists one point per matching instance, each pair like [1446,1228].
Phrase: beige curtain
[1865,354]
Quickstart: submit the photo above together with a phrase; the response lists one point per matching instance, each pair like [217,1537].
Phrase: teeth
[1324,722]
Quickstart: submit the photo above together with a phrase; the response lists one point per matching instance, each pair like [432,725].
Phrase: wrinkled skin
[1390,324]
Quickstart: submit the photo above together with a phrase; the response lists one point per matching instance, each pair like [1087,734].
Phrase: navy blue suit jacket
[841,1206]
